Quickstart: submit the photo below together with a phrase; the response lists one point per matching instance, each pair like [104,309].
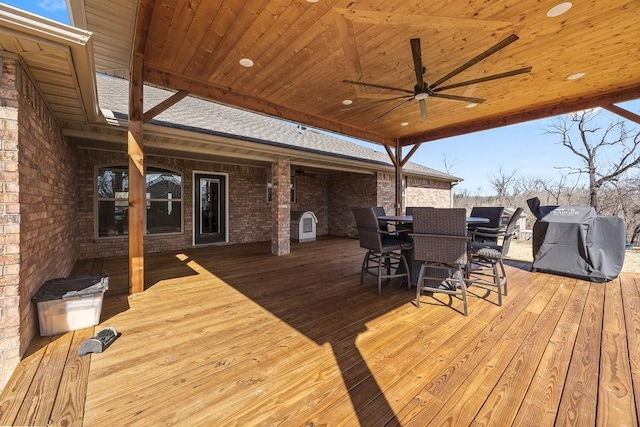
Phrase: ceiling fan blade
[416,52]
[485,79]
[458,98]
[402,104]
[353,82]
[373,103]
[423,109]
[500,45]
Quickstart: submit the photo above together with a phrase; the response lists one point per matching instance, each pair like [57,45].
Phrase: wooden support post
[135,147]
[398,166]
[135,143]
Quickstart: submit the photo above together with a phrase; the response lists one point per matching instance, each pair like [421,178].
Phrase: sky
[52,9]
[475,157]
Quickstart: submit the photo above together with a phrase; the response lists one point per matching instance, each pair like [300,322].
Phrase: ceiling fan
[422,90]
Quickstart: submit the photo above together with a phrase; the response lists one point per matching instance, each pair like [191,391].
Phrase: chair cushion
[488,254]
[475,246]
[391,244]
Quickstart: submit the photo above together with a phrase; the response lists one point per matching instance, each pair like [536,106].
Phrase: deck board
[68,407]
[615,393]
[631,307]
[540,403]
[235,336]
[580,394]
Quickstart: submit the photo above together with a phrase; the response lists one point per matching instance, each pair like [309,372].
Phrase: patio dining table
[414,265]
[408,219]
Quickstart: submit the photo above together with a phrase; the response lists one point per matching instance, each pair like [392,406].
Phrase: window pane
[163,184]
[163,194]
[164,217]
[112,183]
[113,218]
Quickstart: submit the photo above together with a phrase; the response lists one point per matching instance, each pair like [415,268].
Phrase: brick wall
[311,195]
[386,187]
[281,207]
[344,191]
[249,211]
[329,197]
[427,192]
[38,211]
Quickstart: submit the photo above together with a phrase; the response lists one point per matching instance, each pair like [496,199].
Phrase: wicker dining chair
[485,256]
[384,258]
[380,211]
[440,242]
[493,214]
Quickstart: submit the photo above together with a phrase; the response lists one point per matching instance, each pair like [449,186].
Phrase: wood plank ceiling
[302,52]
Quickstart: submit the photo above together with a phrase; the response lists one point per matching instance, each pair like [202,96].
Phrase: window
[292,186]
[113,201]
[163,201]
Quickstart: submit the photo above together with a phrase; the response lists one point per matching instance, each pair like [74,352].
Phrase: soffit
[303,51]
[59,60]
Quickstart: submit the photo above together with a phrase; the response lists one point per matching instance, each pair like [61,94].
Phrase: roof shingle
[204,116]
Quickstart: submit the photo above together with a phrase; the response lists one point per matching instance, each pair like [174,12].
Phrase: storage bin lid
[71,287]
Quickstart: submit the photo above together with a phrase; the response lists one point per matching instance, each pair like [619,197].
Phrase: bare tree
[502,182]
[596,145]
[526,185]
[553,188]
[449,167]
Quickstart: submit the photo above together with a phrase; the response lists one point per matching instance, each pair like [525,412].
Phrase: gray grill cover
[574,241]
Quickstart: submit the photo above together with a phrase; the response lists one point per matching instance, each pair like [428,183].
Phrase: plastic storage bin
[67,304]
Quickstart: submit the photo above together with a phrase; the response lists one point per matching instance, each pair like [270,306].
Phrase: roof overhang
[302,52]
[166,141]
[58,58]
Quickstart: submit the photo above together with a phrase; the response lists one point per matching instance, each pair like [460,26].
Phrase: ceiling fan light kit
[422,90]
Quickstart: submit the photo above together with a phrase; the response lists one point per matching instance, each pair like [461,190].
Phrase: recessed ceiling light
[576,76]
[471,105]
[312,1]
[347,102]
[246,62]
[404,124]
[559,9]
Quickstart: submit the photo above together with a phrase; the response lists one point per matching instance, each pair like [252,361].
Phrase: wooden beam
[392,156]
[622,112]
[409,154]
[229,97]
[398,165]
[135,149]
[535,113]
[143,21]
[167,103]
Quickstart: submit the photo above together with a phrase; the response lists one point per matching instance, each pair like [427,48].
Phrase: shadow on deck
[234,335]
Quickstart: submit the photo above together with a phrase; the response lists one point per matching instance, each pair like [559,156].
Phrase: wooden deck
[235,336]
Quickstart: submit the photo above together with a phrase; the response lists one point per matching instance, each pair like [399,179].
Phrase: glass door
[210,210]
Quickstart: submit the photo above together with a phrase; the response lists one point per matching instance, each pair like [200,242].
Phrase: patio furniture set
[437,250]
